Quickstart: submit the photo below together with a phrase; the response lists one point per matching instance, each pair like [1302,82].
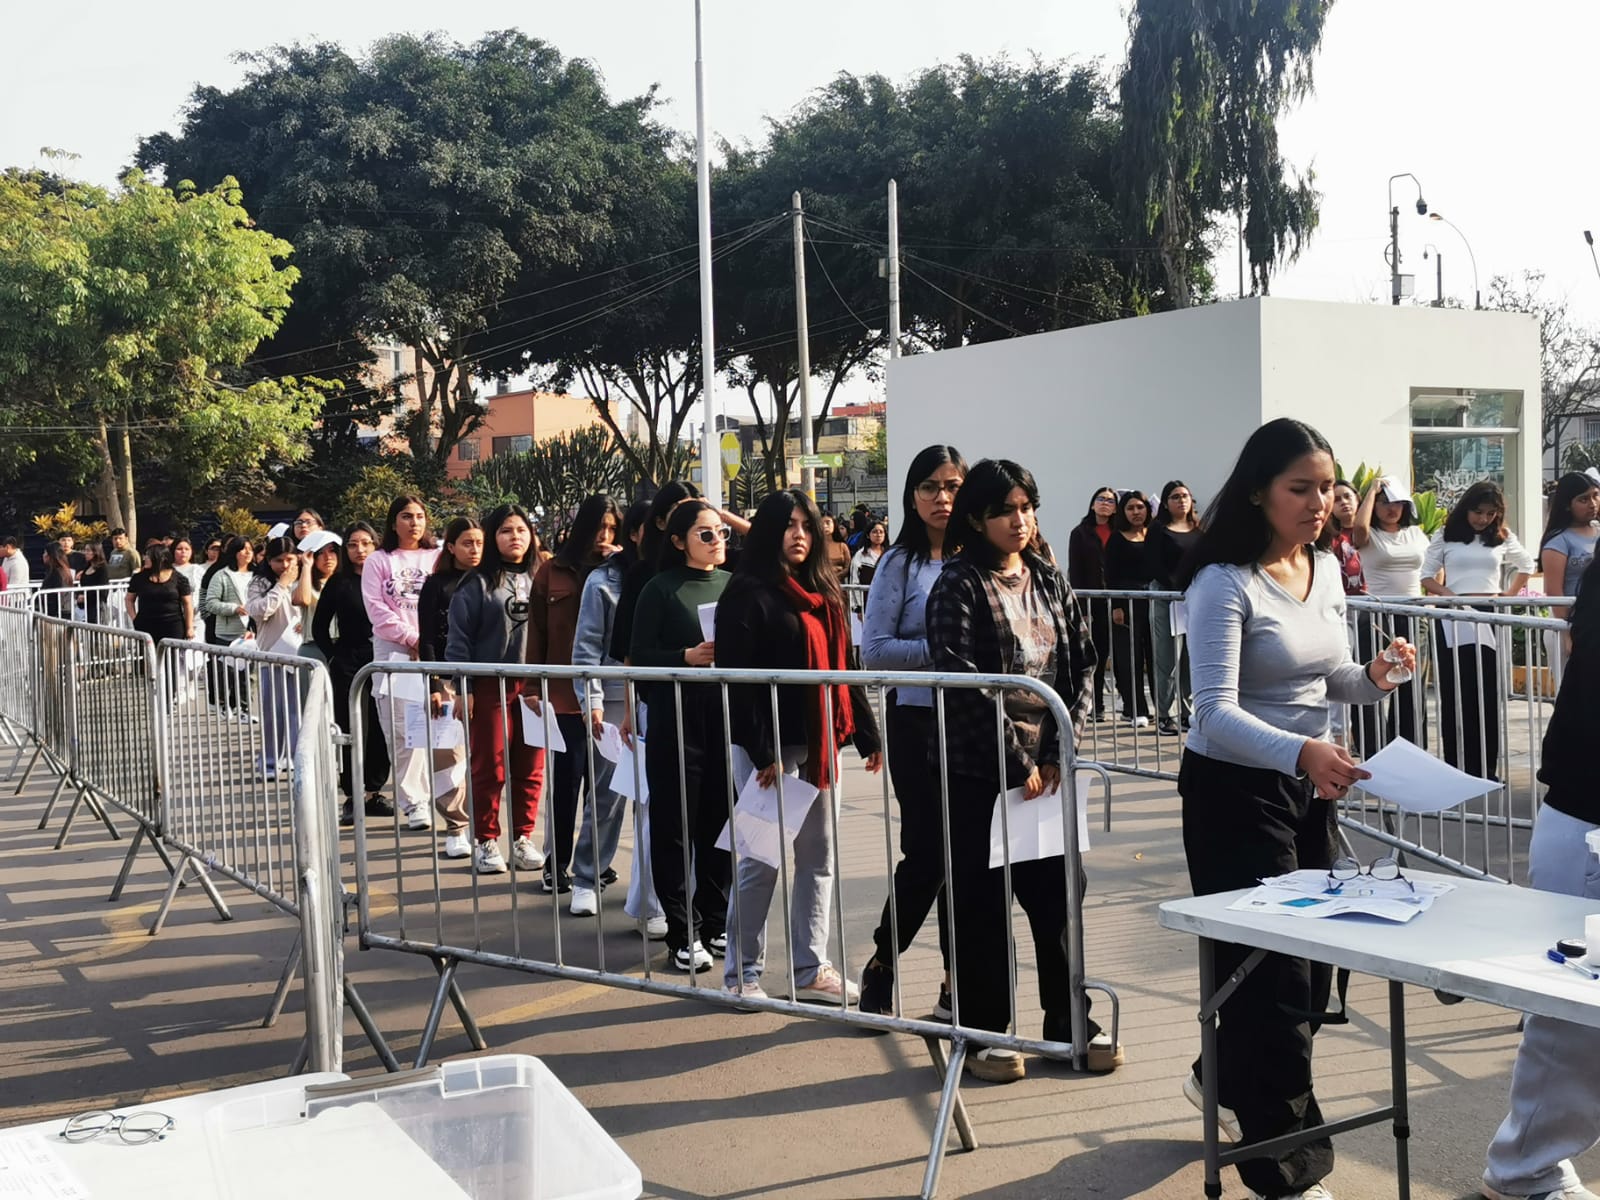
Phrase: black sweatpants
[693,814]
[1133,657]
[1241,824]
[374,749]
[919,875]
[1469,677]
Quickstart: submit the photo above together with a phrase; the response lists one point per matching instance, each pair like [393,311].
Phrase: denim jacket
[591,644]
[895,633]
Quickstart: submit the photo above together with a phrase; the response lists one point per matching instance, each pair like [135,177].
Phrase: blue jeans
[280,716]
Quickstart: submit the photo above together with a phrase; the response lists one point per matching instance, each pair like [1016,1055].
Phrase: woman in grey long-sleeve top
[895,638]
[1259,780]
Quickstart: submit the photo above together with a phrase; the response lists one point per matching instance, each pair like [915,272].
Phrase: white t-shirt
[1473,568]
[1392,562]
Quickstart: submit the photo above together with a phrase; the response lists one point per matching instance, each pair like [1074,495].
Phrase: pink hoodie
[391,581]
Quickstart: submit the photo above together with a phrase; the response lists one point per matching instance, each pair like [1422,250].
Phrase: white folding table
[1482,941]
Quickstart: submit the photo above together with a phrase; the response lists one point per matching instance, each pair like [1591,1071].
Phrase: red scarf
[823,625]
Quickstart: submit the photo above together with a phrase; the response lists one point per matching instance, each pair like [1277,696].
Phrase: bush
[65,521]
[241,522]
[552,478]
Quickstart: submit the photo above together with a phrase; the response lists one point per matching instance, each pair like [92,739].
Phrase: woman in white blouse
[1392,547]
[1470,557]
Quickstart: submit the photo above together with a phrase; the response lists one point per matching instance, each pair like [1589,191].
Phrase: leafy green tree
[552,478]
[1201,93]
[123,318]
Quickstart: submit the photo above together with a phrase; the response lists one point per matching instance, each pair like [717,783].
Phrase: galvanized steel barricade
[18,645]
[247,754]
[447,912]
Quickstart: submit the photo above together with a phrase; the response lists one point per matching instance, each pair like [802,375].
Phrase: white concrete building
[1441,397]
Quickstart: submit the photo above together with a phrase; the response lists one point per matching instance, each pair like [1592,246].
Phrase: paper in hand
[1414,781]
[1035,826]
[756,818]
[313,543]
[533,729]
[708,621]
[609,744]
[1180,618]
[410,688]
[1465,633]
[441,733]
[629,779]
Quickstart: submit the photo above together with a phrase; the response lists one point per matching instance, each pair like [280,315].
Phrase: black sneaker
[555,886]
[378,805]
[607,878]
[943,1010]
[347,813]
[1169,727]
[877,988]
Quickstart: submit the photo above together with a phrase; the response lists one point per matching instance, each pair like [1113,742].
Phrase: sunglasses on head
[709,534]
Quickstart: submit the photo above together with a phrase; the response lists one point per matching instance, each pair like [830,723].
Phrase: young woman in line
[1554,1115]
[1565,551]
[837,547]
[161,600]
[784,610]
[1131,566]
[1359,725]
[686,818]
[896,639]
[552,626]
[461,555]
[391,586]
[489,624]
[94,579]
[605,703]
[1086,571]
[1260,779]
[1392,548]
[213,551]
[1470,556]
[306,522]
[58,581]
[226,595]
[1001,608]
[183,563]
[278,631]
[869,558]
[343,632]
[1177,528]
[644,567]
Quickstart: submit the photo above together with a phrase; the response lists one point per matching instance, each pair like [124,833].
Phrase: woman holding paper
[552,627]
[784,610]
[1001,608]
[1470,557]
[1392,548]
[1555,1086]
[391,585]
[279,630]
[1177,527]
[463,551]
[896,639]
[1270,652]
[687,817]
[488,626]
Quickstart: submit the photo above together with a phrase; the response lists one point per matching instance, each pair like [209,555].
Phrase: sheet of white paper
[1035,827]
[708,621]
[610,746]
[533,727]
[1286,903]
[449,779]
[756,818]
[1180,619]
[408,689]
[1415,781]
[1464,633]
[857,631]
[629,779]
[30,1169]
[442,732]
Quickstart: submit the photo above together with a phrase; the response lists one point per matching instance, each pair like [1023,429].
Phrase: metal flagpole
[710,454]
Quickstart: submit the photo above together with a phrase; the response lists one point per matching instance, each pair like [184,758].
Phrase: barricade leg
[172,893]
[55,796]
[28,774]
[949,1101]
[139,835]
[281,993]
[447,990]
[369,1027]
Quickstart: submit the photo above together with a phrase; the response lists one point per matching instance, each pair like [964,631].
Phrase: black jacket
[1133,566]
[1086,560]
[341,599]
[1566,762]
[757,627]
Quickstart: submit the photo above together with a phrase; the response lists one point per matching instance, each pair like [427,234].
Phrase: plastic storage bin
[500,1127]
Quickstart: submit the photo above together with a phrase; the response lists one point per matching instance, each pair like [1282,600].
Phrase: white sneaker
[1141,722]
[655,928]
[692,959]
[1227,1119]
[829,987]
[1573,1191]
[419,816]
[526,855]
[1315,1192]
[585,902]
[487,859]
[458,845]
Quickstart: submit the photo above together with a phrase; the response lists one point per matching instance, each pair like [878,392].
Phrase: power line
[831,284]
[915,274]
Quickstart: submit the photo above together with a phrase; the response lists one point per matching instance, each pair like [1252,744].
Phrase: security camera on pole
[1393,251]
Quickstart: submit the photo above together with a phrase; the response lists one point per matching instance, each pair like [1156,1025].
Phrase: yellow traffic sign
[731,455]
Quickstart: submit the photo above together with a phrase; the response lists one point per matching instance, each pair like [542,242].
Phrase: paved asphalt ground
[707,1102]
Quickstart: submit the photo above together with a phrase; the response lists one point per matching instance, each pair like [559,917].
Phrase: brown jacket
[553,623]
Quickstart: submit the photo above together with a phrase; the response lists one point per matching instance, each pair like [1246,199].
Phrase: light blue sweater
[895,632]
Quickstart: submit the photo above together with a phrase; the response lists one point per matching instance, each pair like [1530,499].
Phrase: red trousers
[487,728]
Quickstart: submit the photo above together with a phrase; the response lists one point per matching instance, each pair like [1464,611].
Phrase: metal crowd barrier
[18,646]
[97,604]
[443,910]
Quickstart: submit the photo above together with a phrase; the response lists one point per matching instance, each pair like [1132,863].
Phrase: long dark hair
[492,567]
[665,501]
[1089,519]
[983,493]
[273,548]
[913,535]
[1162,516]
[763,558]
[55,558]
[1568,488]
[160,560]
[679,523]
[391,539]
[1236,529]
[346,567]
[1458,529]
[638,513]
[586,524]
[445,564]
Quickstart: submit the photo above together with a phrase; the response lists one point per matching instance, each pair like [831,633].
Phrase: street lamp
[1438,273]
[1477,297]
[1393,252]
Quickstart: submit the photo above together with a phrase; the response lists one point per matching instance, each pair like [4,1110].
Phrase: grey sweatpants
[1555,1086]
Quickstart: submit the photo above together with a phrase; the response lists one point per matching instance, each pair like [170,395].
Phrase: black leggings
[374,749]
[1133,657]
[226,684]
[690,816]
[919,875]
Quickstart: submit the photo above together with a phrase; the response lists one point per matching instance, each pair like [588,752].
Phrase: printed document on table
[629,779]
[1415,781]
[708,621]
[756,817]
[1310,894]
[533,727]
[1035,826]
[410,689]
[442,732]
[30,1169]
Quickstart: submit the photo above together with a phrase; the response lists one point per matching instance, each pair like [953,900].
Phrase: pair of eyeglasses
[135,1128]
[708,535]
[1383,870]
[1105,499]
[930,489]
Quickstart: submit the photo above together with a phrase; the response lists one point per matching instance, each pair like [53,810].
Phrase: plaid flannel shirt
[968,632]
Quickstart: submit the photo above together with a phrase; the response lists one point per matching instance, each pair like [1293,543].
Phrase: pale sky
[1486,102]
